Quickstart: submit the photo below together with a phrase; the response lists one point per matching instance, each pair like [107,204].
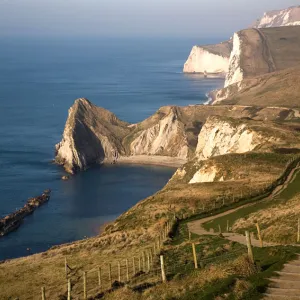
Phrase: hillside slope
[260,51]
[280,89]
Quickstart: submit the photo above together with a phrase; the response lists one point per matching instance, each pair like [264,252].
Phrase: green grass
[268,260]
[292,189]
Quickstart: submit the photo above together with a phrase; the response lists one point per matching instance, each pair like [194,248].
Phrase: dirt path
[197,228]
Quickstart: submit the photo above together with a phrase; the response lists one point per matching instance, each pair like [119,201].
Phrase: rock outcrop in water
[93,135]
[14,220]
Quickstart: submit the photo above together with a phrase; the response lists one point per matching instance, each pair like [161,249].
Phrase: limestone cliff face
[235,72]
[220,143]
[222,136]
[91,135]
[207,174]
[277,18]
[166,137]
[257,52]
[210,59]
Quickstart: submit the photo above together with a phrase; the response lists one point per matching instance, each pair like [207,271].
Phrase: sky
[130,18]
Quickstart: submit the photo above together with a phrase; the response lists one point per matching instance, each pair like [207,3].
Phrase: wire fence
[147,268]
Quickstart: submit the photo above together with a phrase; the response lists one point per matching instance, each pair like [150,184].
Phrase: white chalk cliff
[235,72]
[277,18]
[160,138]
[210,59]
[91,135]
[221,136]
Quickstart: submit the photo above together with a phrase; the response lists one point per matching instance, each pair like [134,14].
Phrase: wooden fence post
[227,228]
[119,271]
[298,234]
[109,274]
[259,235]
[151,256]
[99,278]
[133,267]
[249,246]
[190,235]
[43,293]
[162,266]
[66,267]
[195,255]
[144,261]
[69,289]
[220,231]
[84,286]
[148,261]
[140,266]
[127,270]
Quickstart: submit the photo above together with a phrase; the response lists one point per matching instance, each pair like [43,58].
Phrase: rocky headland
[235,152]
[171,136]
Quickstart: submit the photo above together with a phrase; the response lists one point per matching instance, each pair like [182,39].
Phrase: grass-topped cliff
[248,174]
[241,154]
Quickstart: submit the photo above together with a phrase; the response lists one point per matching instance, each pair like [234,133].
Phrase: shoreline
[165,161]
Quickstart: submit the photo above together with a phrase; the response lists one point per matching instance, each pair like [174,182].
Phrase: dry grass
[280,89]
[278,222]
[194,282]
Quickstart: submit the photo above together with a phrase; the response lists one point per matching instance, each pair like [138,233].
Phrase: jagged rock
[223,135]
[14,220]
[94,135]
[161,138]
[91,135]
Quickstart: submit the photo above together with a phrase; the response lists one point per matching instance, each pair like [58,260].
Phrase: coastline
[166,161]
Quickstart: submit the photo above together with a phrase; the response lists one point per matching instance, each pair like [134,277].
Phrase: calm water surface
[39,81]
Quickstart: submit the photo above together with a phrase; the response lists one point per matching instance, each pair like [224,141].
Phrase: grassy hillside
[278,217]
[279,89]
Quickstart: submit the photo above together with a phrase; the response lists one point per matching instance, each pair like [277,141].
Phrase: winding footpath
[287,283]
[197,228]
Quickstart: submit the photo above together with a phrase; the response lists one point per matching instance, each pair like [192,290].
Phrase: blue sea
[39,80]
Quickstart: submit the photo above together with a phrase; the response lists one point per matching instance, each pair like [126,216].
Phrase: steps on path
[287,284]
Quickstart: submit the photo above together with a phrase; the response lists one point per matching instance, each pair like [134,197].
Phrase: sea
[39,80]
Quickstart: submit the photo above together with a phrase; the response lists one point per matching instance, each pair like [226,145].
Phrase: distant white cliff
[225,58]
[277,18]
[210,59]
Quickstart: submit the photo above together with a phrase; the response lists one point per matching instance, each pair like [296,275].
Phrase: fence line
[144,265]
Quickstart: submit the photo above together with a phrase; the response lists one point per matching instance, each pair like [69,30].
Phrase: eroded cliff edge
[93,135]
[209,59]
[223,57]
